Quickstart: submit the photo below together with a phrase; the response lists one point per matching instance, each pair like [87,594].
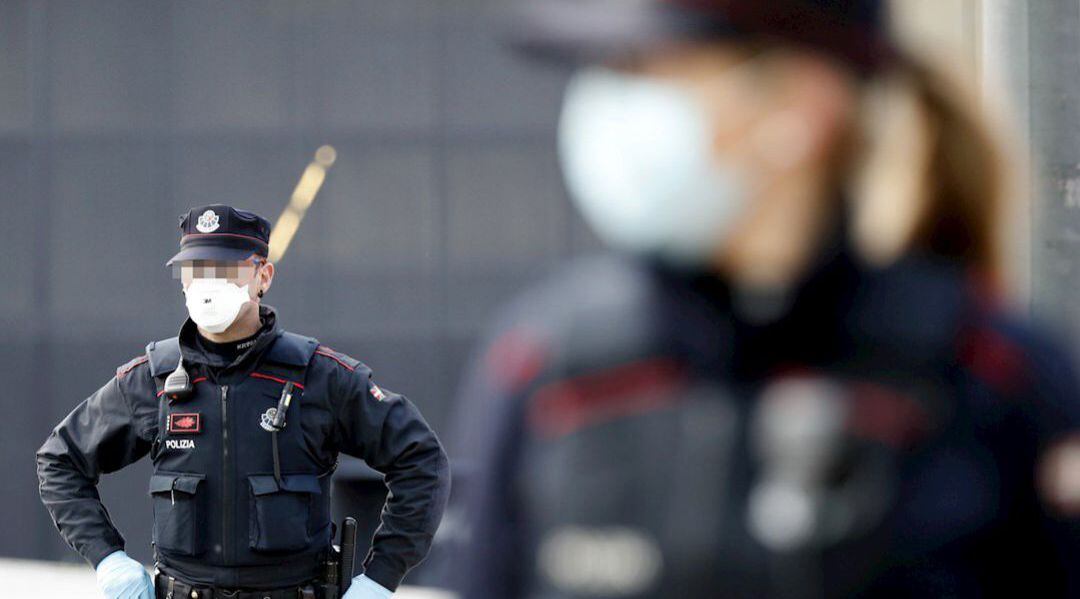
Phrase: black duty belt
[167,587]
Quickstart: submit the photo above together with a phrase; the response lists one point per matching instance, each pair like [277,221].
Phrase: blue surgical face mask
[638,160]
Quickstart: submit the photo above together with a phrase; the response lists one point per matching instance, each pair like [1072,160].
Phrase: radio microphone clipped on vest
[178,384]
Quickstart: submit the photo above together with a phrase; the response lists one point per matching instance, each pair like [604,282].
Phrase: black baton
[348,552]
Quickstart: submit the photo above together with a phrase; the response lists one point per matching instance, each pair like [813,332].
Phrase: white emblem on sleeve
[377,393]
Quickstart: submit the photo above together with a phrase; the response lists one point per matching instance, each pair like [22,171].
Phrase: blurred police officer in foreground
[792,377]
[244,423]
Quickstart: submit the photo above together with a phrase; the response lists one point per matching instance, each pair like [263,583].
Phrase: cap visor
[210,252]
[575,31]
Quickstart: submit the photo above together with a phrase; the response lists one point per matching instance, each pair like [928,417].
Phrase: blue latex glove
[363,587]
[120,577]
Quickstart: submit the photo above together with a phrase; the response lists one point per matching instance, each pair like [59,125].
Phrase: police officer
[792,378]
[244,423]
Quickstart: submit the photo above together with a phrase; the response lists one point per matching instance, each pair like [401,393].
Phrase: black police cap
[855,31]
[219,232]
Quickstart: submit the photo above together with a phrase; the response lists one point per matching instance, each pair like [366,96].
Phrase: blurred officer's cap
[596,30]
[223,233]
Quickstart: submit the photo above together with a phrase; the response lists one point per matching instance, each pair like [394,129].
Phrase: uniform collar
[192,352]
[844,309]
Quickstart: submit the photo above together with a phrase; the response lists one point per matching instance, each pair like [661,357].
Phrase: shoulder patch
[376,392]
[126,368]
[995,360]
[348,362]
[515,359]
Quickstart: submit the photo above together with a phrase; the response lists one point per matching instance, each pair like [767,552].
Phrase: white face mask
[214,304]
[638,161]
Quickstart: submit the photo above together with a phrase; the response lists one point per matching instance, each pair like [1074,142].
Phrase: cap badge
[208,222]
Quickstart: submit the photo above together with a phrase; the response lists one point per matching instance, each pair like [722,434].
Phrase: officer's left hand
[120,577]
[363,587]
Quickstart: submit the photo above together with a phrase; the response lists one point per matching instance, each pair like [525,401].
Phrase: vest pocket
[280,514]
[177,513]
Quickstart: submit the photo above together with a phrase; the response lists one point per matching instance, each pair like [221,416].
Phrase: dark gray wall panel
[109,66]
[15,107]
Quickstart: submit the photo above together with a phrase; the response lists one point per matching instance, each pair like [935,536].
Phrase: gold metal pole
[302,197]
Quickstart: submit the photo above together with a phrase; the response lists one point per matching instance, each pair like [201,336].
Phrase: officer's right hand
[120,577]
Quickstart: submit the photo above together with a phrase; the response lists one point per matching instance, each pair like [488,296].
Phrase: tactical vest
[650,472]
[222,507]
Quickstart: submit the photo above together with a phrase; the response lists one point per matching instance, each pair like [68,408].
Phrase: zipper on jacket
[226,505]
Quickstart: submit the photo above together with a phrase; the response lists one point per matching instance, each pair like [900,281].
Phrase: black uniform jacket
[623,426]
[222,517]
